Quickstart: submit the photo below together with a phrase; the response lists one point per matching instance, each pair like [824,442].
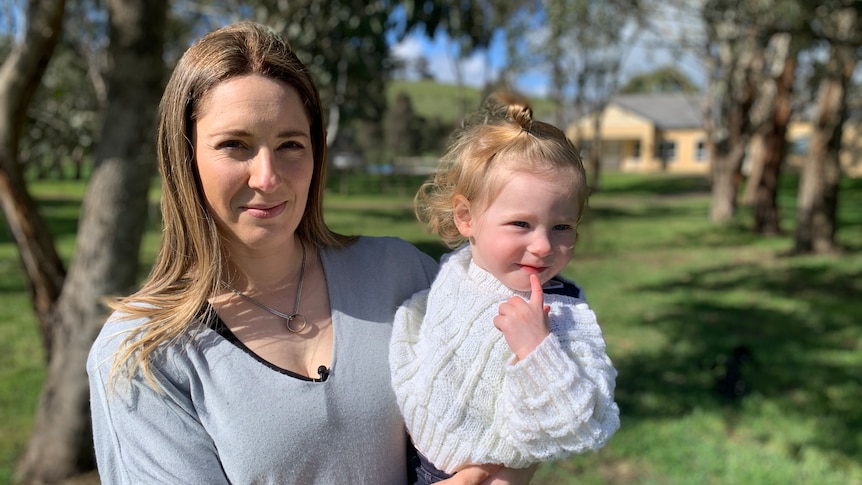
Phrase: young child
[501,361]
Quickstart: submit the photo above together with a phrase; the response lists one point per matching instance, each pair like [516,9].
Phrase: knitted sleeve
[560,398]
[404,362]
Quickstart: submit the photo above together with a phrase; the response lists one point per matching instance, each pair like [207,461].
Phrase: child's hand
[524,323]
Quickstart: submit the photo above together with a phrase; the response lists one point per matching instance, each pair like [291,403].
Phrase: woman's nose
[264,175]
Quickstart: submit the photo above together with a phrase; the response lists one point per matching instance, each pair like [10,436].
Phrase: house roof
[670,111]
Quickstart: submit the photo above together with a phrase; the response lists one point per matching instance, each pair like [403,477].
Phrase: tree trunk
[726,179]
[817,201]
[755,170]
[110,230]
[767,219]
[20,76]
[818,188]
[596,153]
[728,154]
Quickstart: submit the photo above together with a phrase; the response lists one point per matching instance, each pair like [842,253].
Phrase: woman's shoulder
[385,243]
[388,269]
[112,336]
[383,252]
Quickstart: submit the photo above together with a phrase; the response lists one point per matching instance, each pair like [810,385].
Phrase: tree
[667,79]
[20,76]
[584,50]
[734,56]
[402,128]
[110,230]
[771,136]
[65,114]
[838,22]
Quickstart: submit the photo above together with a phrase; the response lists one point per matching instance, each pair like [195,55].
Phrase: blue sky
[668,26]
[645,55]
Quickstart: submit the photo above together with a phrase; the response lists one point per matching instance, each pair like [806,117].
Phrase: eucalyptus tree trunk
[767,220]
[817,201]
[734,53]
[110,230]
[726,176]
[20,76]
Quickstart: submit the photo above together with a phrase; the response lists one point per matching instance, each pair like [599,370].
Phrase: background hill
[432,100]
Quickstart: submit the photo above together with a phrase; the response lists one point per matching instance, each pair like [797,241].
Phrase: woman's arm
[491,475]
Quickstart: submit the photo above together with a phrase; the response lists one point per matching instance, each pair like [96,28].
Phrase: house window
[667,150]
[700,151]
[636,149]
[799,146]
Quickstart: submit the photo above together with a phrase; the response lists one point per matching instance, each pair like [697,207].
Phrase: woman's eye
[229,144]
[292,145]
[520,224]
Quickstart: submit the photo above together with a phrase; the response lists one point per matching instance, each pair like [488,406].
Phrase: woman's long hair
[191,259]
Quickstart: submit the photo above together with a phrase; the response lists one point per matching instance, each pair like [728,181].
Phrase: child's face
[530,227]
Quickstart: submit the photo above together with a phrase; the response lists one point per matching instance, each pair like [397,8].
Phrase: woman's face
[254,157]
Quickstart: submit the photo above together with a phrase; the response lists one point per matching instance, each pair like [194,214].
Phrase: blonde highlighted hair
[499,139]
[191,258]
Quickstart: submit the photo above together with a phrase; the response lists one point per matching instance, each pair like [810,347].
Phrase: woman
[256,350]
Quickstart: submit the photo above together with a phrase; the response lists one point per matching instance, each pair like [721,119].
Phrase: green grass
[674,295]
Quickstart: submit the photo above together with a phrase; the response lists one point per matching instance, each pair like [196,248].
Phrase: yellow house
[850,157]
[649,133]
[664,132]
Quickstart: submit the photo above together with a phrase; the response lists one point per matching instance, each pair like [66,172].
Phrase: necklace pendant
[291,318]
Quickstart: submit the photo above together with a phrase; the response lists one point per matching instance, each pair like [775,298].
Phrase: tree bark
[111,226]
[733,136]
[595,162]
[817,200]
[767,220]
[20,76]
[726,179]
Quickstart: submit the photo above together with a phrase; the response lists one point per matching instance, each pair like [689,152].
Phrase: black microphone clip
[323,372]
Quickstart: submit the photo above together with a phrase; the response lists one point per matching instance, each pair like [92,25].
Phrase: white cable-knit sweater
[464,400]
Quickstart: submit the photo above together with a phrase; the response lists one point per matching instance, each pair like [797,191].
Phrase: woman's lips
[262,212]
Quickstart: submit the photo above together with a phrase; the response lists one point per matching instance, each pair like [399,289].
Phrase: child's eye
[563,227]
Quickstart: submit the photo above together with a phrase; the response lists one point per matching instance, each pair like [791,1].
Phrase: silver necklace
[288,319]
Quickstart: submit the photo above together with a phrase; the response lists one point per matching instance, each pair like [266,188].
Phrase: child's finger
[537,298]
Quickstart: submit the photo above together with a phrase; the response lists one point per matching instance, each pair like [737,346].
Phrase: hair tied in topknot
[513,107]
[522,115]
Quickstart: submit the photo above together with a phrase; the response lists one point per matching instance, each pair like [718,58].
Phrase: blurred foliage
[345,43]
[663,80]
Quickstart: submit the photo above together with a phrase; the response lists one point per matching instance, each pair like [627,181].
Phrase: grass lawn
[675,296]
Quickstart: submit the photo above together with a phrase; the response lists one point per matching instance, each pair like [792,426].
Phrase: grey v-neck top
[226,417]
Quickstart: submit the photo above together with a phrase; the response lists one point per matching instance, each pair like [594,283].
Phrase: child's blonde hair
[500,139]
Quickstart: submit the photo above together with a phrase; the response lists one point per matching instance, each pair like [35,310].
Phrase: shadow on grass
[805,359]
